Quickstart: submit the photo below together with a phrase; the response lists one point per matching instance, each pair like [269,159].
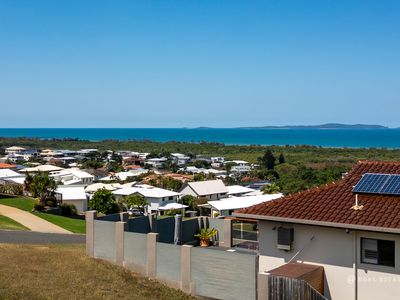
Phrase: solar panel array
[386,184]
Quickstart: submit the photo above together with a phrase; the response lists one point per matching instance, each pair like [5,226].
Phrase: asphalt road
[29,237]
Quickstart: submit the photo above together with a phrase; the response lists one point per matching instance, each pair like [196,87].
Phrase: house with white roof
[225,207]
[157,162]
[41,168]
[75,195]
[210,189]
[195,170]
[238,190]
[72,176]
[240,166]
[14,150]
[11,176]
[72,195]
[122,176]
[158,199]
[180,159]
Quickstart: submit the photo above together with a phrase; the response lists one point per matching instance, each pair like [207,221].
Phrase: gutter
[318,223]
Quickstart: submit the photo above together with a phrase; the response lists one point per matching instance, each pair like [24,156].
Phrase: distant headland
[322,126]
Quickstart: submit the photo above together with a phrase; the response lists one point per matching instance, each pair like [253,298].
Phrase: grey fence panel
[139,224]
[219,225]
[223,275]
[169,262]
[104,239]
[165,229]
[189,229]
[135,250]
[112,218]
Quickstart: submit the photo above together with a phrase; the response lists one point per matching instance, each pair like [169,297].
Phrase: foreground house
[350,228]
[210,189]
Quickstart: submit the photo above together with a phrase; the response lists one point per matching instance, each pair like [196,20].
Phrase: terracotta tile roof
[6,166]
[333,203]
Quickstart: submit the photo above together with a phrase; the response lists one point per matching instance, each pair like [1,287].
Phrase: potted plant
[205,235]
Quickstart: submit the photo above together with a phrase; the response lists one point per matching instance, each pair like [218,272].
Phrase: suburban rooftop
[333,204]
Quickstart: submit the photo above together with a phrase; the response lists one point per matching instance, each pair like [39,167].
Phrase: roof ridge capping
[366,161]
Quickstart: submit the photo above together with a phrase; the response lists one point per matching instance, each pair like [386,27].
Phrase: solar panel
[387,184]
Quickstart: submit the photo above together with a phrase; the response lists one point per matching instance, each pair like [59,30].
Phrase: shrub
[104,202]
[38,207]
[68,209]
[49,203]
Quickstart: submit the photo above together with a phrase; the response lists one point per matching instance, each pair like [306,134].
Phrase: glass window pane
[369,251]
[386,253]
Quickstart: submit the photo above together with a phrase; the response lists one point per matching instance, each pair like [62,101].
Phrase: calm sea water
[389,138]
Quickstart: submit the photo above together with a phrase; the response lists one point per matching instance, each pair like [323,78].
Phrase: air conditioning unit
[285,238]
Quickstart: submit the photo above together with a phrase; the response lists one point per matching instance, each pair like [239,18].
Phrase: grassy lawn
[9,224]
[65,272]
[21,203]
[73,225]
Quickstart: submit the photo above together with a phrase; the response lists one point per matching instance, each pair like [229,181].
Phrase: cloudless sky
[81,63]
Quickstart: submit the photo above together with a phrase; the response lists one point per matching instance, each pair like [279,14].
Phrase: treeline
[294,168]
[314,157]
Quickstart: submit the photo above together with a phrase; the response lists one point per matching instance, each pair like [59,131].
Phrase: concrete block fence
[210,272]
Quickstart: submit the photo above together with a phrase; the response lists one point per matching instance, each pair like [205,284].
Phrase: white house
[351,228]
[11,176]
[122,176]
[210,189]
[180,159]
[72,195]
[14,150]
[157,198]
[226,206]
[42,168]
[238,190]
[72,176]
[157,162]
[240,166]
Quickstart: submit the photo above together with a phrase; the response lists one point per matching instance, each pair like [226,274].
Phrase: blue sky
[198,63]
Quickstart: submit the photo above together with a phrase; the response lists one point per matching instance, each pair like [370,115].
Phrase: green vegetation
[104,202]
[135,200]
[10,224]
[272,188]
[27,204]
[65,272]
[206,233]
[42,186]
[292,168]
[166,183]
[71,224]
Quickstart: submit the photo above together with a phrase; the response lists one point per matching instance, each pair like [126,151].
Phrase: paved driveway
[31,221]
[29,237]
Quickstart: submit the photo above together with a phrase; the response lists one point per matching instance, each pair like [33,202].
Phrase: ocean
[352,138]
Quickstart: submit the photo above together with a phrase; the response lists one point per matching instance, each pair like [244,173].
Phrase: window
[170,198]
[377,252]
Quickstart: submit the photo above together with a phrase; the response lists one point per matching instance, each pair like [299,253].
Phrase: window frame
[379,263]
